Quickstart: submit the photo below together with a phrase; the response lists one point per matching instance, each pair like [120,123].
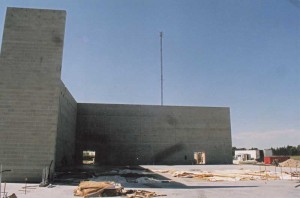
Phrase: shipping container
[275,159]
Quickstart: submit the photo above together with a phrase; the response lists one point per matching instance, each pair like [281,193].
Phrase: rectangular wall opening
[199,158]
[88,157]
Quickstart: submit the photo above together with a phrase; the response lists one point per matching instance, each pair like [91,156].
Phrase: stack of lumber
[290,163]
[110,189]
[91,188]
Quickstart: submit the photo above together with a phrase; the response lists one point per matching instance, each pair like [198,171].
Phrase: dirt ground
[230,181]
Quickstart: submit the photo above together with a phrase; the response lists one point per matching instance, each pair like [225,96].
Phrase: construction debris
[228,175]
[12,196]
[295,174]
[142,194]
[233,176]
[91,188]
[109,189]
[290,163]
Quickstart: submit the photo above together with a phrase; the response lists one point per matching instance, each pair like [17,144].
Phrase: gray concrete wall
[141,134]
[40,120]
[65,143]
[30,69]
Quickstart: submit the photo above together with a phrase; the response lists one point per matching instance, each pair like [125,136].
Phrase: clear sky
[239,54]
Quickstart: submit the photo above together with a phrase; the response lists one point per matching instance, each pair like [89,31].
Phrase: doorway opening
[199,158]
[88,157]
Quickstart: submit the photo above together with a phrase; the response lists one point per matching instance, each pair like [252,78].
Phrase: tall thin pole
[161,70]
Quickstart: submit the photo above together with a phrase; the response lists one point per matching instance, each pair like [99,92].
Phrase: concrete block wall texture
[30,70]
[142,134]
[65,142]
[40,121]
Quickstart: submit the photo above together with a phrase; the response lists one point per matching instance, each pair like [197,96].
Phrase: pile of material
[226,175]
[141,194]
[91,188]
[109,189]
[290,163]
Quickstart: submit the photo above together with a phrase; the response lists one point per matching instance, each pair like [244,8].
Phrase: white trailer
[243,155]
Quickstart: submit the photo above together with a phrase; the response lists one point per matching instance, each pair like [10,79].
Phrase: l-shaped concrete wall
[41,122]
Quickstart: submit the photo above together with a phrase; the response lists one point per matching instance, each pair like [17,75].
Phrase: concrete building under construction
[41,122]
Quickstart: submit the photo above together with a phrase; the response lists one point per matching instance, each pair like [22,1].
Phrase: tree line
[286,150]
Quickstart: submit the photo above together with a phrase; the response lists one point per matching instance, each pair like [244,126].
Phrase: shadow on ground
[127,176]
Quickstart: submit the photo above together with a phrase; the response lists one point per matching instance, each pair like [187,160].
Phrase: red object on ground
[271,159]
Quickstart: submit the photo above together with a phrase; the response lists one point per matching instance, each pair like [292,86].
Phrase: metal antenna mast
[161,70]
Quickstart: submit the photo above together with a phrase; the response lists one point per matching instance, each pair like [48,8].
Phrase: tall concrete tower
[30,87]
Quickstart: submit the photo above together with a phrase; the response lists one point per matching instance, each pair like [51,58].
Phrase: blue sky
[240,54]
